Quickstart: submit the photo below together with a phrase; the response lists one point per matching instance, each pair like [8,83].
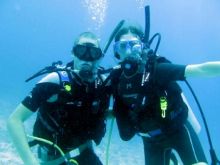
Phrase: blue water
[33,34]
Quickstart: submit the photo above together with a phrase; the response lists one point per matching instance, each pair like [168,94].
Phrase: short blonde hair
[86,35]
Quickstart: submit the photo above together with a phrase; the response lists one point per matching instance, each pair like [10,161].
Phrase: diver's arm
[22,113]
[52,78]
[207,69]
[16,130]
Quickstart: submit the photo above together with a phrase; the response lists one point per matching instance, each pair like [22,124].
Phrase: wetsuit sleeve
[166,72]
[40,94]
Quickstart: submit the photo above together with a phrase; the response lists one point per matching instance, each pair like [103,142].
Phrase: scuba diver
[70,106]
[149,102]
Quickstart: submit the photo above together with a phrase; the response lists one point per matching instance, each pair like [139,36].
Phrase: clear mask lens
[135,46]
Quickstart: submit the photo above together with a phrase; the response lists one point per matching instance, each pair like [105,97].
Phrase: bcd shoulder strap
[151,64]
[65,80]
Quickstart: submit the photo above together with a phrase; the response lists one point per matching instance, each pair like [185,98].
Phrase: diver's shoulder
[51,78]
[161,59]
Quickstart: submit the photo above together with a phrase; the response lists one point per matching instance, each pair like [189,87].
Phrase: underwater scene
[34,34]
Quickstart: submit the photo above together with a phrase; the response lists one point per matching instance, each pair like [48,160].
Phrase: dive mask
[135,46]
[130,52]
[87,53]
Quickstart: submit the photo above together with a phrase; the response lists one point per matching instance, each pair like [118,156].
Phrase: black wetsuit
[74,118]
[137,107]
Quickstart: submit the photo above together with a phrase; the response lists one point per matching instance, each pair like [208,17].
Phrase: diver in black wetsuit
[148,101]
[71,110]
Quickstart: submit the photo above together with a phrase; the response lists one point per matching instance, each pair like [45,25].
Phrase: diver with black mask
[86,60]
[148,101]
[70,106]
